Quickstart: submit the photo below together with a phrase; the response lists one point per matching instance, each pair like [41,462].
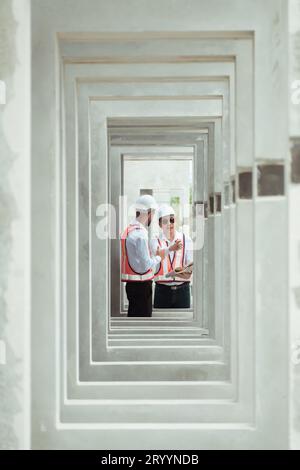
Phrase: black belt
[173,287]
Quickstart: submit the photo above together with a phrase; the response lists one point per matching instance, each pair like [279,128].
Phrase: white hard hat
[145,203]
[165,210]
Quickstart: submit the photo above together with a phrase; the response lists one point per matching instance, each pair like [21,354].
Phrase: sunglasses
[168,221]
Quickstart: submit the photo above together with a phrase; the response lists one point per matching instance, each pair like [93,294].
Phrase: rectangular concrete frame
[191,319]
[119,154]
[93,81]
[227,64]
[81,126]
[82,80]
[270,141]
[84,153]
[198,197]
[103,318]
[197,319]
[201,73]
[96,152]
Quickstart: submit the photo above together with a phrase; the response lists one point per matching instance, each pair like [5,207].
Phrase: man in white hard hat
[138,265]
[172,292]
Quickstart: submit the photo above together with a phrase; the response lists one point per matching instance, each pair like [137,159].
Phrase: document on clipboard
[188,269]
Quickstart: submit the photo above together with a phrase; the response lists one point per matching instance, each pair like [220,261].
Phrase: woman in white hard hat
[172,292]
[137,264]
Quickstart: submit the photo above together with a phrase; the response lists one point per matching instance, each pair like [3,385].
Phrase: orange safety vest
[127,272]
[166,265]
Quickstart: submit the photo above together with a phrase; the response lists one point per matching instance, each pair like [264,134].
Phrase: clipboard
[188,269]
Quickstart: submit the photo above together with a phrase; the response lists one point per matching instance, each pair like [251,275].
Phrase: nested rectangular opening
[169,163]
[168,178]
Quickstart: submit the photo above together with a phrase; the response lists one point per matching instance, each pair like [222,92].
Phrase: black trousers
[139,295]
[167,297]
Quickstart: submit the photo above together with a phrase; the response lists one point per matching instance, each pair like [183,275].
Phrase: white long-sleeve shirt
[137,246]
[188,254]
